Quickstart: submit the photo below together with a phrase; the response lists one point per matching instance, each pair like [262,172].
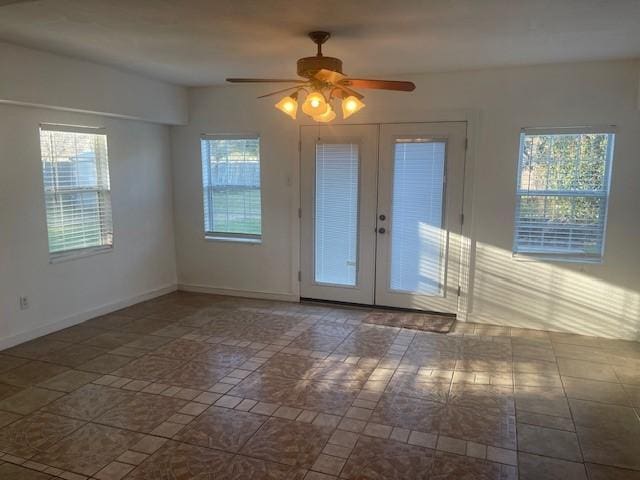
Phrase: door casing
[456,268]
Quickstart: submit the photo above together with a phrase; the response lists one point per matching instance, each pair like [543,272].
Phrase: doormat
[426,322]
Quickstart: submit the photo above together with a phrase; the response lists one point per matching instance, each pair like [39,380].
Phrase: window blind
[417,237]
[336,213]
[231,186]
[562,193]
[76,187]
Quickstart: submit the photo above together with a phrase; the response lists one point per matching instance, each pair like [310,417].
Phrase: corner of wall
[84,316]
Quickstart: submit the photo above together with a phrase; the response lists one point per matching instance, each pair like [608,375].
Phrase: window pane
[563,187]
[417,238]
[564,162]
[76,183]
[336,213]
[231,186]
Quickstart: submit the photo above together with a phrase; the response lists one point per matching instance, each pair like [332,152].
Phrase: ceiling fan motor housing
[309,66]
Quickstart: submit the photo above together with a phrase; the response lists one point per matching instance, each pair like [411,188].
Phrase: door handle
[381,230]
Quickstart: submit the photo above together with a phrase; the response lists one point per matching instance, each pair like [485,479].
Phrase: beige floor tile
[542,400]
[535,467]
[35,433]
[69,381]
[328,464]
[583,369]
[31,373]
[604,472]
[88,402]
[114,471]
[549,442]
[371,459]
[16,472]
[549,421]
[242,388]
[222,428]
[287,442]
[29,400]
[607,392]
[88,449]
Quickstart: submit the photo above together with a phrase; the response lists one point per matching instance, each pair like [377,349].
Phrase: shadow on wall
[533,294]
[525,293]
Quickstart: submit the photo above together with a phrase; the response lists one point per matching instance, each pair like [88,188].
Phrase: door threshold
[360,306]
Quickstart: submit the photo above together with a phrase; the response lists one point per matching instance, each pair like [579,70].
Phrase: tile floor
[191,386]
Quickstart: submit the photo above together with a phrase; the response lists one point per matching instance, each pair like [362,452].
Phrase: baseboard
[286,297]
[580,329]
[84,316]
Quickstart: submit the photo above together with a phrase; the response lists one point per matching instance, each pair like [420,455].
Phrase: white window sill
[560,258]
[80,253]
[214,238]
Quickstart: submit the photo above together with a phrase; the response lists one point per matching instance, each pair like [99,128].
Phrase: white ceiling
[200,42]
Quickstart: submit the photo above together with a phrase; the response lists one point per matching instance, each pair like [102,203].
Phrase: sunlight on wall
[416,260]
[546,295]
[437,244]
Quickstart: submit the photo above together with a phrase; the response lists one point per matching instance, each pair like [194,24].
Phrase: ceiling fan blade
[379,84]
[343,92]
[280,91]
[264,80]
[329,76]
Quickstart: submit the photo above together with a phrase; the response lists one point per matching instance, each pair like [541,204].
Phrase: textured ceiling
[200,42]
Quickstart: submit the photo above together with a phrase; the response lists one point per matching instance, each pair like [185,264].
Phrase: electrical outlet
[24,303]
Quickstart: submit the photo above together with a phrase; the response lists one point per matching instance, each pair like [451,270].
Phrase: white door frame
[366,137]
[473,117]
[453,134]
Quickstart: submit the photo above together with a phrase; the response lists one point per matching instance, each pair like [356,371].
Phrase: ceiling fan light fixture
[351,105]
[315,104]
[289,105]
[328,116]
[322,83]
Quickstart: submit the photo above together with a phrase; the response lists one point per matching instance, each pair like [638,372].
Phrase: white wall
[602,299]
[32,77]
[39,87]
[264,268]
[142,262]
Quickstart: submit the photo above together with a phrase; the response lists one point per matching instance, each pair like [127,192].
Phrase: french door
[381,214]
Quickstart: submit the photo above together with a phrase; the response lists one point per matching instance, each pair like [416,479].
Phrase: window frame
[234,237]
[74,253]
[564,256]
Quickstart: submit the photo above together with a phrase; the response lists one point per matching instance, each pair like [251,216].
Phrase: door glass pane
[417,236]
[336,213]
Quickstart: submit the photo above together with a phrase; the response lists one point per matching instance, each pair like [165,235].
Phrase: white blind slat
[77,190]
[417,236]
[336,213]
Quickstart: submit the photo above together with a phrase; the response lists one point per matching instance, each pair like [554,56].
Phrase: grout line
[393,357]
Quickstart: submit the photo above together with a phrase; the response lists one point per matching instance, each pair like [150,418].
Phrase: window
[562,193]
[231,187]
[76,189]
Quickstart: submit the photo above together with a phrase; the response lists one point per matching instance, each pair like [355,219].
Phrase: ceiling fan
[323,82]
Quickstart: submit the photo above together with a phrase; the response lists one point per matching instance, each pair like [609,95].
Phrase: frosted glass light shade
[351,105]
[315,104]
[327,116]
[288,105]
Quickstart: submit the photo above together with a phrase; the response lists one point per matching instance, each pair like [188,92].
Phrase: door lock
[381,230]
[382,217]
